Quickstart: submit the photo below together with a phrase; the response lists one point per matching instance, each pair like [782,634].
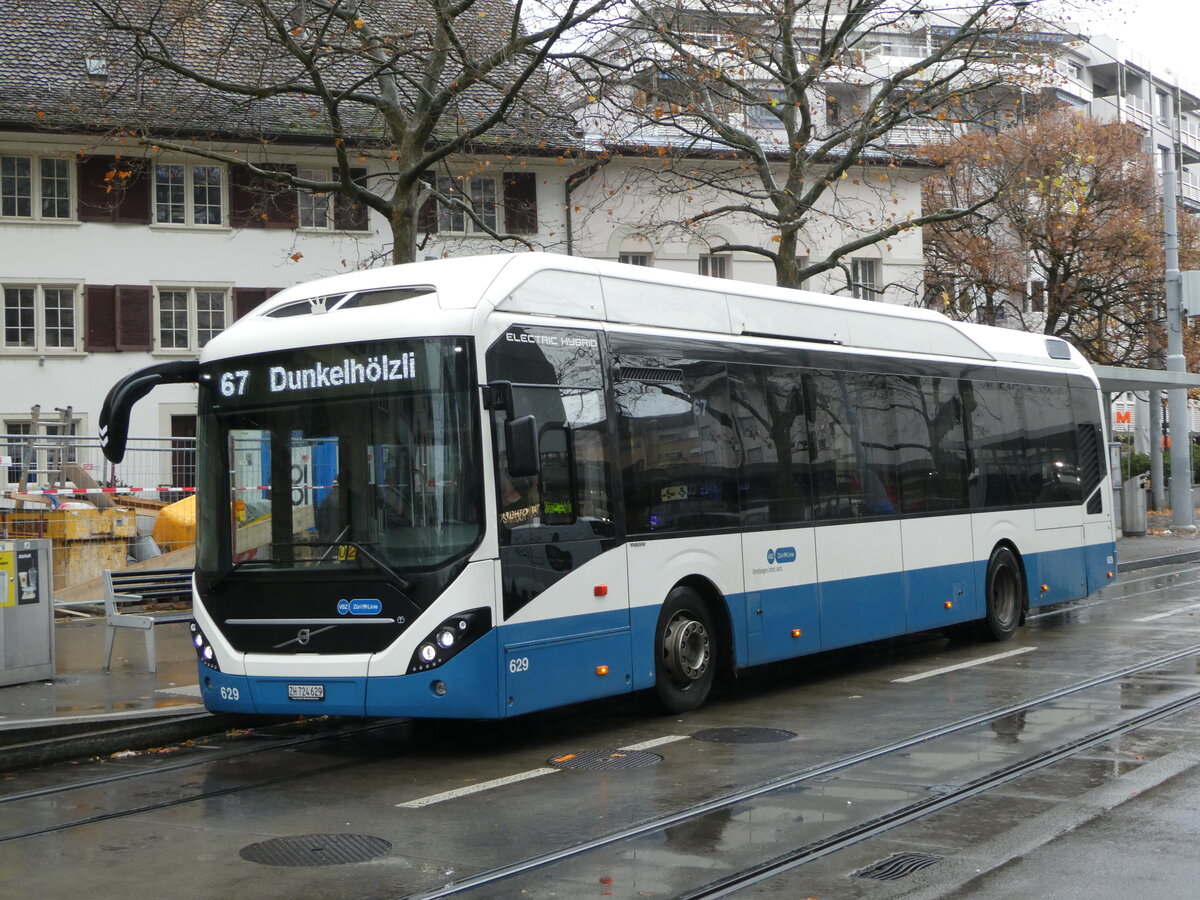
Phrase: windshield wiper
[399,581]
[220,579]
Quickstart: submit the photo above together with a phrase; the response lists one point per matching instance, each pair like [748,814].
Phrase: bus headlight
[449,639]
[204,650]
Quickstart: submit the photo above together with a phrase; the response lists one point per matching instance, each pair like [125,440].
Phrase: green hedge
[1139,463]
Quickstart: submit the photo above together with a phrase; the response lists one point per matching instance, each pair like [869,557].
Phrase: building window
[1037,296]
[480,193]
[1163,105]
[833,110]
[760,113]
[314,207]
[35,188]
[40,318]
[635,259]
[801,265]
[714,265]
[189,195]
[864,275]
[188,318]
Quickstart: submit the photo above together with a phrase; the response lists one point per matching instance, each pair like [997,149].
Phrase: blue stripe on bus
[547,663]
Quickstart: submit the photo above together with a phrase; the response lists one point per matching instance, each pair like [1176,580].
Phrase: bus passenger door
[1057,492]
[565,602]
[1095,490]
[860,561]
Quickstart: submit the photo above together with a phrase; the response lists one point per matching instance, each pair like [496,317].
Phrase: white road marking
[522,776]
[1173,612]
[966,665]
[186,690]
[476,788]
[657,742]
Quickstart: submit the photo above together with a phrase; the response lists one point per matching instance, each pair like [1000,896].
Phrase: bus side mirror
[114,414]
[521,441]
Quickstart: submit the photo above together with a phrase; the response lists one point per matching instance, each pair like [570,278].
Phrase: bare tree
[406,84]
[797,97]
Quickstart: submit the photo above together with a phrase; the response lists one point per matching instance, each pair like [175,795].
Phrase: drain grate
[602,760]
[897,866]
[315,850]
[748,735]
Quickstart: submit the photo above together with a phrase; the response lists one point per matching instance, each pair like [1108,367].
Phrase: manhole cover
[897,866]
[601,760]
[316,850]
[744,735]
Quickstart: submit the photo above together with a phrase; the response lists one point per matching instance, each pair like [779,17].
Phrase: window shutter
[245,299]
[114,190]
[350,215]
[133,318]
[256,202]
[520,203]
[427,217]
[100,316]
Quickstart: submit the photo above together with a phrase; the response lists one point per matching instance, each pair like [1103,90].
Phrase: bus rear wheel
[685,652]
[1004,586]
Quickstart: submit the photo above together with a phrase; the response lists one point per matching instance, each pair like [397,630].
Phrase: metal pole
[1182,512]
[1159,500]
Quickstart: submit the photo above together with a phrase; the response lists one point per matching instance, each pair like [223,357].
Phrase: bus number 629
[518,664]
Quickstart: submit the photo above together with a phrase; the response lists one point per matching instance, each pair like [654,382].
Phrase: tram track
[167,768]
[761,871]
[767,869]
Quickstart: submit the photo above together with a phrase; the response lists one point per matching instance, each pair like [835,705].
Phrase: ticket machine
[26,611]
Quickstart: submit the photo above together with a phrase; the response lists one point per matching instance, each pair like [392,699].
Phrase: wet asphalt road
[454,801]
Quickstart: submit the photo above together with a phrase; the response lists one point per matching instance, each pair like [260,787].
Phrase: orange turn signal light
[796,632]
[1045,587]
[601,670]
[949,605]
[601,590]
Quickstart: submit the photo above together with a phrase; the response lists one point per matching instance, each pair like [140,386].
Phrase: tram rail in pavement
[86,711]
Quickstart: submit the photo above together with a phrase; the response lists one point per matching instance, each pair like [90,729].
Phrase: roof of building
[61,69]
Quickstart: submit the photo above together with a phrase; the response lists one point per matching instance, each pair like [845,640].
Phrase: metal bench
[145,586]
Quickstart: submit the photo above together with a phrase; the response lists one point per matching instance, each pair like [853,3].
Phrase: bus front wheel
[1004,588]
[685,652]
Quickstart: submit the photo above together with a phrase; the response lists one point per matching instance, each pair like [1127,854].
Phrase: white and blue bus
[482,487]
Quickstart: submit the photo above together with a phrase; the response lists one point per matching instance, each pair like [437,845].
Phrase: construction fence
[99,515]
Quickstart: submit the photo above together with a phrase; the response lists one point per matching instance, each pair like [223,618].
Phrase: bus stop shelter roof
[1115,379]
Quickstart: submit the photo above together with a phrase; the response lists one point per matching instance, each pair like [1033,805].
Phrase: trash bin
[26,611]
[1133,506]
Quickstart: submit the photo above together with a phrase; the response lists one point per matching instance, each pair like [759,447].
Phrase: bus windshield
[362,456]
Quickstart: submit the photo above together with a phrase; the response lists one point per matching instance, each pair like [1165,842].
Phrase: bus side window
[679,449]
[1000,476]
[1054,456]
[768,408]
[556,478]
[931,444]
[571,490]
[854,446]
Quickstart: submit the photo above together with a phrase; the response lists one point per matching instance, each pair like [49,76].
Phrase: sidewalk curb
[48,744]
[1152,562]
